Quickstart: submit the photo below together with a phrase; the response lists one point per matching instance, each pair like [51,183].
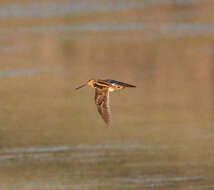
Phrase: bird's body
[102,89]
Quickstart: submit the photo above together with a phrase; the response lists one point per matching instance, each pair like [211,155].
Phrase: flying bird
[102,89]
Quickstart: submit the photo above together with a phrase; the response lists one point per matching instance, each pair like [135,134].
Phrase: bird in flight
[102,89]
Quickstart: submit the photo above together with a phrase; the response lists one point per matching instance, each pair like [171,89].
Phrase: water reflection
[52,9]
[159,181]
[25,72]
[159,31]
[96,158]
[10,49]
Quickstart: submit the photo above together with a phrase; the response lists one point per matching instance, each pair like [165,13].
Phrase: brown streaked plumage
[102,89]
[102,103]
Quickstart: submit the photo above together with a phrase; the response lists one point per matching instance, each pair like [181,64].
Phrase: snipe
[102,89]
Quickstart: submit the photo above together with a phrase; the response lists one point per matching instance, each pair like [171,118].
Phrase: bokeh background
[51,136]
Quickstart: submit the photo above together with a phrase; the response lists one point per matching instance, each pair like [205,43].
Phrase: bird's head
[91,82]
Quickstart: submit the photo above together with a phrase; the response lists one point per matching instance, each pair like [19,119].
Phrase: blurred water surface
[51,136]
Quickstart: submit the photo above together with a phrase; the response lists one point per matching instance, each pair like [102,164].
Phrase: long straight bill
[81,86]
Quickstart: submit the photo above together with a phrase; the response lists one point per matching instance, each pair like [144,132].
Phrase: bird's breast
[111,89]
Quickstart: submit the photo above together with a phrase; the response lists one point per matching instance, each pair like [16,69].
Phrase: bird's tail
[126,85]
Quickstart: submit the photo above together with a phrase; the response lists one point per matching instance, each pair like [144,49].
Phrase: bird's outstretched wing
[102,103]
